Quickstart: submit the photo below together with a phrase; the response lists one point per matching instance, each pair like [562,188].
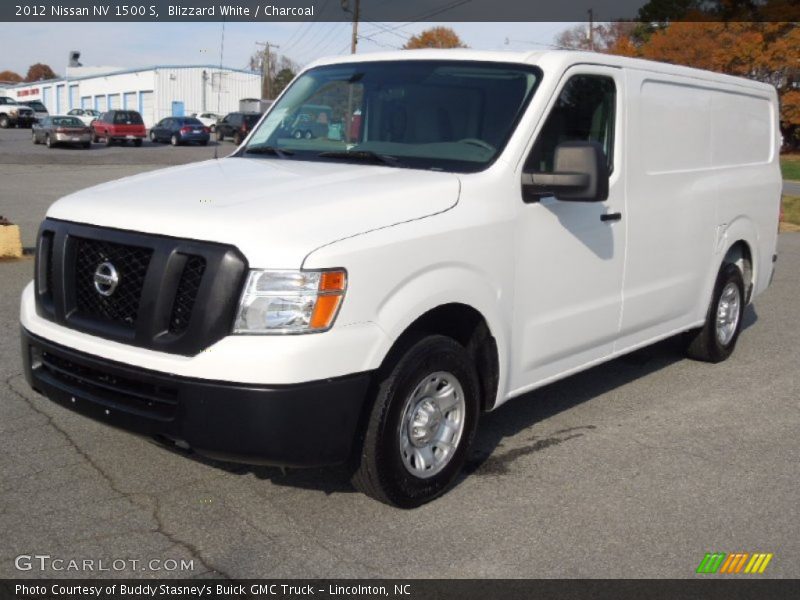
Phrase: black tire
[237,138]
[87,145]
[48,141]
[379,470]
[704,343]
[137,143]
[297,135]
[174,140]
[153,137]
[308,135]
[35,139]
[4,122]
[220,135]
[108,140]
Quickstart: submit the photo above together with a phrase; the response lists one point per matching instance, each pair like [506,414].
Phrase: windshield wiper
[268,150]
[362,155]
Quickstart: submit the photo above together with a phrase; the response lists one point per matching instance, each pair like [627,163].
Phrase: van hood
[276,211]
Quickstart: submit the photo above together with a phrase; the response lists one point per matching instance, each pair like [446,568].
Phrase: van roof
[547,60]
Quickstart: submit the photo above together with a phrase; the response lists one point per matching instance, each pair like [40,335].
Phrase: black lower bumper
[309,424]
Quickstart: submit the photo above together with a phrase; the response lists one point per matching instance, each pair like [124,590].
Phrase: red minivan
[119,126]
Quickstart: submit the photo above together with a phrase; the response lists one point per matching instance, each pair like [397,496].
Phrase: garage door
[86,102]
[73,96]
[61,99]
[100,103]
[113,101]
[47,99]
[146,107]
[129,101]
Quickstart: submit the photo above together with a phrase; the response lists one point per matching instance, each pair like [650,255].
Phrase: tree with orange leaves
[435,37]
[10,77]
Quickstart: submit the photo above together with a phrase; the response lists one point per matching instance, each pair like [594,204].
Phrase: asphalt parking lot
[635,468]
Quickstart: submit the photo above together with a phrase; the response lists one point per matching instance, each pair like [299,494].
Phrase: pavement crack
[155,510]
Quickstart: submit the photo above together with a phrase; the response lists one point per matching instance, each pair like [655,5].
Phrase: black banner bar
[397,10]
[711,588]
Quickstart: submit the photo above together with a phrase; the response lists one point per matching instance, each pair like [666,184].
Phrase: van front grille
[130,262]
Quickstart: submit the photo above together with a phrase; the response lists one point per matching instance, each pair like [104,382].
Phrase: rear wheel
[716,340]
[421,424]
[153,137]
[308,135]
[4,122]
[174,140]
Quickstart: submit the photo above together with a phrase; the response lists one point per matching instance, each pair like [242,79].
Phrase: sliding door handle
[611,217]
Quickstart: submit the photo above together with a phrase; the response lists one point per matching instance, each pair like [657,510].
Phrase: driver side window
[585,112]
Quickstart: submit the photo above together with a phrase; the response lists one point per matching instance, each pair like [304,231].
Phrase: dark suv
[237,125]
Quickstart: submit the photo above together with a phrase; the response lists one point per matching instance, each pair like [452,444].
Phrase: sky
[143,44]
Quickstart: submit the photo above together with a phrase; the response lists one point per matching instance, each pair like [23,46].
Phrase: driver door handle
[611,217]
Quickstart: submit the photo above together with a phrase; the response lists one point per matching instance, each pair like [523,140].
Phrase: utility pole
[591,30]
[266,79]
[356,12]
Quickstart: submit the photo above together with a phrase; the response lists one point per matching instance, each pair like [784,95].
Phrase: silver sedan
[62,130]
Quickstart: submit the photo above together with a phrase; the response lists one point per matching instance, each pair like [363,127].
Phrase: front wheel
[35,139]
[421,425]
[48,141]
[716,340]
[4,122]
[109,141]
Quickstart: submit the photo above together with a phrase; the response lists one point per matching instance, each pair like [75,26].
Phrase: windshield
[67,122]
[443,115]
[127,117]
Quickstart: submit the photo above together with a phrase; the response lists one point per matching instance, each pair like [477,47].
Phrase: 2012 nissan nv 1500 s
[464,227]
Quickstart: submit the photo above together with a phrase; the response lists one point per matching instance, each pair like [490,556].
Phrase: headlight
[290,301]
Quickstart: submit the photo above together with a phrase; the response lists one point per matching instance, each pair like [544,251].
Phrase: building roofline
[126,72]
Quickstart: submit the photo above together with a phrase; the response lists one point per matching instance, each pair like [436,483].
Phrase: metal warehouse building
[156,92]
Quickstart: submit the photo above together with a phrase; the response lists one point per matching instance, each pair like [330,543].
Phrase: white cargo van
[463,227]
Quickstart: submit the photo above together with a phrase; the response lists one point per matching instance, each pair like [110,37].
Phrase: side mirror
[580,174]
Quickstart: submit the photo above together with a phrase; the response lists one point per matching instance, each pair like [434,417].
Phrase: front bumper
[307,424]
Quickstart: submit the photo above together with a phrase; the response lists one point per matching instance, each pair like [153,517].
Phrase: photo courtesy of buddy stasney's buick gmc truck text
[402,243]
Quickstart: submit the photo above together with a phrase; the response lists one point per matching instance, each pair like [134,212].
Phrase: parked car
[237,125]
[310,121]
[180,130]
[208,119]
[87,115]
[14,114]
[39,109]
[501,222]
[119,126]
[57,130]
